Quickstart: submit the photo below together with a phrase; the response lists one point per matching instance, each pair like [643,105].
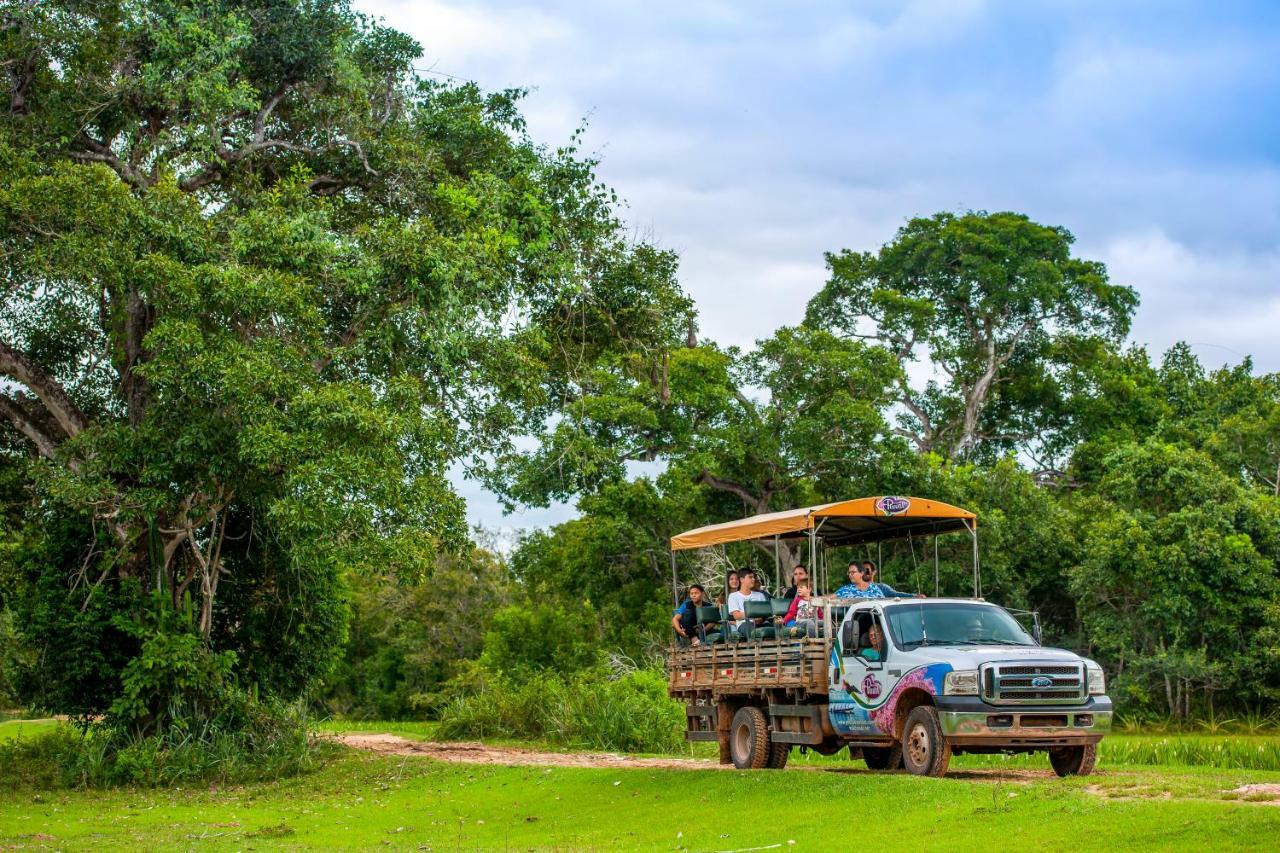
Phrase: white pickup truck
[902,682]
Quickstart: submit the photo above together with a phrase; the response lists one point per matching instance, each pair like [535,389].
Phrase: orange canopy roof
[842,523]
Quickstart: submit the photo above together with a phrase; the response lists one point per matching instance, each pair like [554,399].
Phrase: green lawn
[12,729]
[362,801]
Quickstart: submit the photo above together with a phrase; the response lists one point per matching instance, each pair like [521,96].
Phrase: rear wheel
[883,757]
[925,752]
[1074,760]
[749,739]
[778,755]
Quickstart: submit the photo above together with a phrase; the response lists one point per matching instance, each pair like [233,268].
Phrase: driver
[874,643]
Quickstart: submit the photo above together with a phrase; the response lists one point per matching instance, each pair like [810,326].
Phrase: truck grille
[1033,684]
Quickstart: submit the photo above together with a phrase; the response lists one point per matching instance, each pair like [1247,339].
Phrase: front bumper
[968,721]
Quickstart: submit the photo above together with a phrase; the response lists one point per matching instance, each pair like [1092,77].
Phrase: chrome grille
[1012,684]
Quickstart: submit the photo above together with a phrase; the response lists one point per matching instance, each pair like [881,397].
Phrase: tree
[1176,578]
[986,299]
[264,286]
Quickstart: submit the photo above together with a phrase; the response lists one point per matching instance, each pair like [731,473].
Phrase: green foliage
[1177,580]
[592,709]
[270,743]
[265,288]
[525,641]
[987,297]
[410,636]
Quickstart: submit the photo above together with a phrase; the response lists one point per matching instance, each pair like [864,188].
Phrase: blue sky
[751,138]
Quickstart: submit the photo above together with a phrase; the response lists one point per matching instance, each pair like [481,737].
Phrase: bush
[630,712]
[273,742]
[11,656]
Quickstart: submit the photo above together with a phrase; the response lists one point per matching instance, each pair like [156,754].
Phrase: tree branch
[16,365]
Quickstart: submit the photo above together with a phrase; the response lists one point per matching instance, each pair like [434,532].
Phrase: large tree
[263,286]
[989,300]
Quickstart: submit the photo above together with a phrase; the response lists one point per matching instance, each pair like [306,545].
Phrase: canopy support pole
[935,565]
[777,562]
[675,581]
[977,571]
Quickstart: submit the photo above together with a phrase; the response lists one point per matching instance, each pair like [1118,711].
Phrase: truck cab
[933,677]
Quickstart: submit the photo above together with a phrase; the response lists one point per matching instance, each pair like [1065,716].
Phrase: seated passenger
[803,617]
[873,573]
[859,585]
[731,583]
[738,603]
[799,575]
[685,620]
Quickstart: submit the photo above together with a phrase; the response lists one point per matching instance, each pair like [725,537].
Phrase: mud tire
[1074,760]
[883,757]
[925,751]
[749,739]
[778,755]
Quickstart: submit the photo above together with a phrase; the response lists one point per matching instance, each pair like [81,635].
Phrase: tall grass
[273,746]
[628,712]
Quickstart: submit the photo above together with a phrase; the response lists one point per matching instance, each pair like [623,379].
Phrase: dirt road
[479,753]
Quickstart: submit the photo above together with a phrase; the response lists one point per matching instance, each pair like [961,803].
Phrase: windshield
[954,624]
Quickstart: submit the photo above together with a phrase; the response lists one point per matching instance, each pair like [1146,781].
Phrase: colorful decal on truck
[892,505]
[855,710]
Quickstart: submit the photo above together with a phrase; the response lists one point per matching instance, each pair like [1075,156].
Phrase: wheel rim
[918,744]
[742,741]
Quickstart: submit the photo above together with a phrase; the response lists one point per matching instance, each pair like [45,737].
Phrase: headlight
[1097,682]
[962,682]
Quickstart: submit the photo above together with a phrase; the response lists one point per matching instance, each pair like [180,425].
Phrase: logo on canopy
[893,505]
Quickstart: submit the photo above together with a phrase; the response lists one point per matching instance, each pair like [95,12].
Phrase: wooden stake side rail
[743,667]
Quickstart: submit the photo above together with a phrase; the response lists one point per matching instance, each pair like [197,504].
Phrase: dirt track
[479,753]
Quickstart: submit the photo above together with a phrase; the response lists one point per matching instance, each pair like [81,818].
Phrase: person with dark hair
[873,574]
[731,583]
[738,603]
[799,575]
[860,586]
[803,618]
[685,620]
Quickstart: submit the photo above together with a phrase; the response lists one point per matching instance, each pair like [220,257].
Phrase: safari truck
[899,682]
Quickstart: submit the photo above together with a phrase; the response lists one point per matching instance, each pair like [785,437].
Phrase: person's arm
[735,599]
[791,612]
[890,592]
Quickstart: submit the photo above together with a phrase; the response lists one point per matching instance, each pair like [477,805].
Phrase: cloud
[1226,304]
[752,137]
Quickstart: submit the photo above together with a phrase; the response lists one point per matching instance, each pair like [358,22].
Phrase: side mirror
[848,637]
[1037,634]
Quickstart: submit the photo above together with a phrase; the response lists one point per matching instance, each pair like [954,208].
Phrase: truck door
[861,678]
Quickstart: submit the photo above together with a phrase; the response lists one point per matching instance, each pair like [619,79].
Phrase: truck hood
[971,657]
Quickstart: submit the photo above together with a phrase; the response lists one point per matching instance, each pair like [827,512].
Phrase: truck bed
[747,667]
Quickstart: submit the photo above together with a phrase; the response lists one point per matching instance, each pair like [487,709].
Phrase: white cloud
[1212,300]
[751,137]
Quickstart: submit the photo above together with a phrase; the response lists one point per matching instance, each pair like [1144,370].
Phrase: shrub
[594,710]
[271,743]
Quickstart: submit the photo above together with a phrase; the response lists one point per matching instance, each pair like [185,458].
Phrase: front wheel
[925,752]
[1074,760]
[882,757]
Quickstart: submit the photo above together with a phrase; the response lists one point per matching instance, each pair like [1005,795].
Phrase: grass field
[10,729]
[361,801]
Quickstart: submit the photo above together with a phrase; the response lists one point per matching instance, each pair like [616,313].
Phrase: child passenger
[803,617]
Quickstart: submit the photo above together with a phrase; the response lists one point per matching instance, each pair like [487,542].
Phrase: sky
[753,137]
